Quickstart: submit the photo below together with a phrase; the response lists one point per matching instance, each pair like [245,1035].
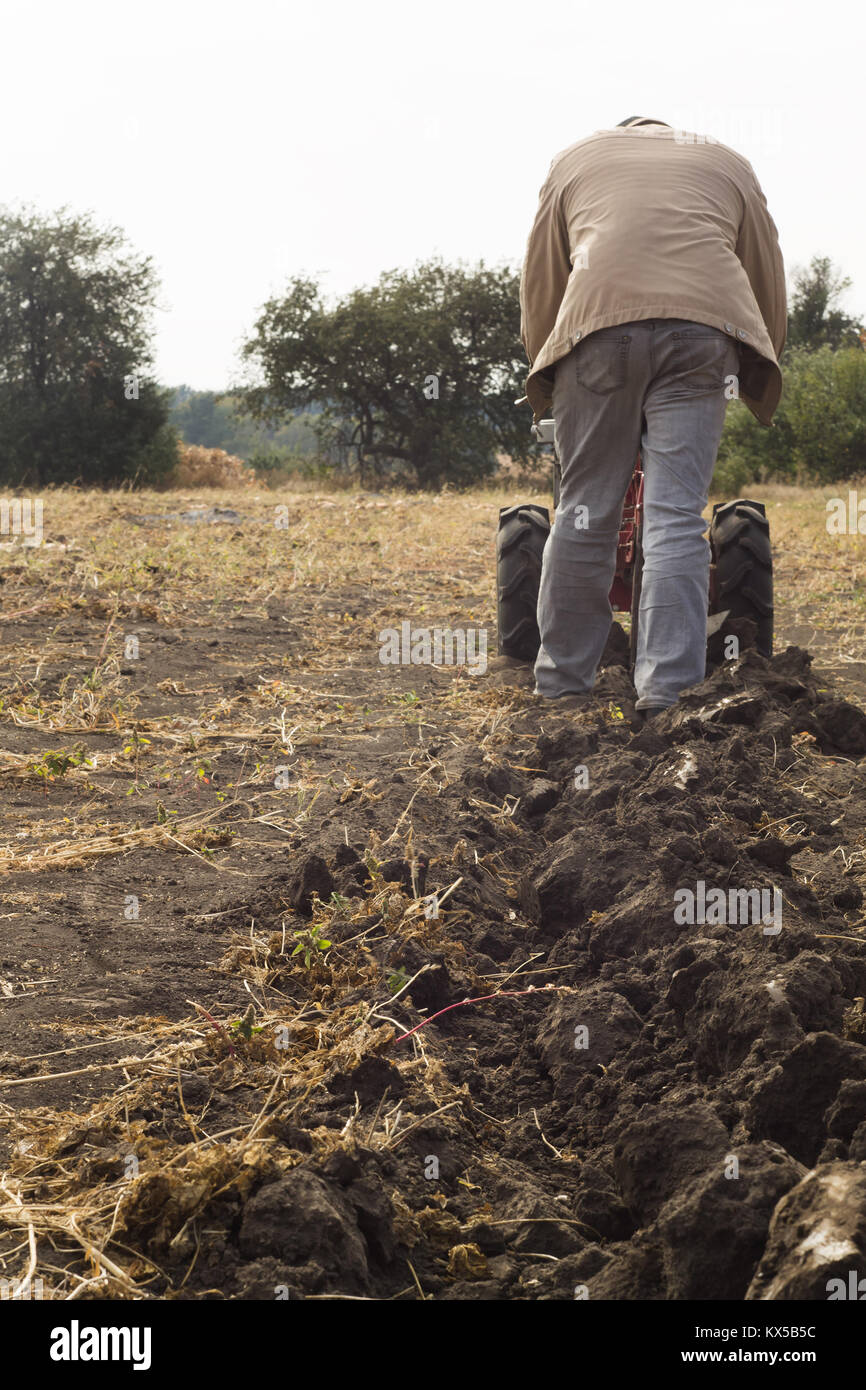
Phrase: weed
[56,763]
[309,942]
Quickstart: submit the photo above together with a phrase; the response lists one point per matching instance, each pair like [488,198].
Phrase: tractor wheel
[520,542]
[740,542]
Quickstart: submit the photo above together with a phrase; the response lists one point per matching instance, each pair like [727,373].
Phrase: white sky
[240,145]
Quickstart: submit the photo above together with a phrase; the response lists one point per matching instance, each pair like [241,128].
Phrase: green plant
[133,749]
[245,1026]
[309,941]
[56,763]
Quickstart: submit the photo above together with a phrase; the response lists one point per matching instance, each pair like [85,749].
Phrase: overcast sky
[240,145]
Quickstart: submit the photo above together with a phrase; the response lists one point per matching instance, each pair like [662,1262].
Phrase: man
[653,290]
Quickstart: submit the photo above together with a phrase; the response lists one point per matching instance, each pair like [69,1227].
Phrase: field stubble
[241,858]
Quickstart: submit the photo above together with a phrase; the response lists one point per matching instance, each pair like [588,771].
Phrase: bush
[281,470]
[826,408]
[818,434]
[731,477]
[86,433]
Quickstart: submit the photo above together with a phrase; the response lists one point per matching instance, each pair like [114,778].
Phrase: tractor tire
[740,543]
[520,543]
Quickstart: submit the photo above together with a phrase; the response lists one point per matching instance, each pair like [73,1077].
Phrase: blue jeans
[662,386]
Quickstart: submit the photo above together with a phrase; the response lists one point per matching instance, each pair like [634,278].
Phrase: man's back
[648,223]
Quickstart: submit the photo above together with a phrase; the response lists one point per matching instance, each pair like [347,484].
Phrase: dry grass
[198,466]
[428,557]
[80,1184]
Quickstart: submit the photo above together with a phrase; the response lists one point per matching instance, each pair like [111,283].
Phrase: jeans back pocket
[601,361]
[703,358]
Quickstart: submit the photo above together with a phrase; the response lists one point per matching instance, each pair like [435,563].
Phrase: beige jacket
[648,222]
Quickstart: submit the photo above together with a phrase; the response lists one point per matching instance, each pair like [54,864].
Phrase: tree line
[411,380]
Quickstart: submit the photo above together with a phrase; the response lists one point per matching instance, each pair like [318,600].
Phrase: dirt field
[240,858]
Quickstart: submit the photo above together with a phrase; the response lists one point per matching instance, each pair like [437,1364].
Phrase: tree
[819,431]
[814,318]
[76,402]
[414,378]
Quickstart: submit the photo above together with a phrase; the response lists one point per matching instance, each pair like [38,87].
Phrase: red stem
[499,994]
[218,1026]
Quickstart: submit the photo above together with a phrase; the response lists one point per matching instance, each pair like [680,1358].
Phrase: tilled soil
[656,1104]
[685,1116]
